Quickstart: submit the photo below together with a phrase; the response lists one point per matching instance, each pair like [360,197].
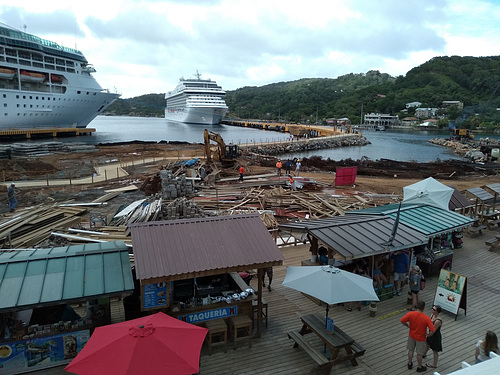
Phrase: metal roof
[495,187]
[430,220]
[458,200]
[481,194]
[358,236]
[34,277]
[179,249]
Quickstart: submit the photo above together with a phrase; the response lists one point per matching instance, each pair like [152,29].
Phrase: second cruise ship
[196,101]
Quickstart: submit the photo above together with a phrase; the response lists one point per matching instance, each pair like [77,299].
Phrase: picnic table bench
[491,219]
[335,340]
[493,242]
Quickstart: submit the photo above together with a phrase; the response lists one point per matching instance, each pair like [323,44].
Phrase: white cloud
[144,46]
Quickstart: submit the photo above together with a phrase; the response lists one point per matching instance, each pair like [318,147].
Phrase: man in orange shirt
[418,323]
[242,172]
[279,166]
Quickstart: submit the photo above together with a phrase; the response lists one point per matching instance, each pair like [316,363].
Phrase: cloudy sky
[141,47]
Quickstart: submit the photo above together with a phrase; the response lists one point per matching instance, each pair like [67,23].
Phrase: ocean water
[400,145]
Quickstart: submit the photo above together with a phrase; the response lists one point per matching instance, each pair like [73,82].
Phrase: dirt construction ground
[375,177]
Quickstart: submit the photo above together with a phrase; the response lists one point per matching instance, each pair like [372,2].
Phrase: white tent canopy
[428,191]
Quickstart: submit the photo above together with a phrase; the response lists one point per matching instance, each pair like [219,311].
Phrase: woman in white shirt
[484,347]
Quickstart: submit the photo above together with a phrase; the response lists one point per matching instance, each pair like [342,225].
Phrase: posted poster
[41,352]
[154,295]
[449,290]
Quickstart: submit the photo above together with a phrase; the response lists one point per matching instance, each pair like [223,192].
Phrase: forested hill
[475,81]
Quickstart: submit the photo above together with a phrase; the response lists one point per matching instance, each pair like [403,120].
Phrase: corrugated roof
[30,278]
[458,200]
[481,194]
[176,249]
[495,187]
[429,220]
[358,236]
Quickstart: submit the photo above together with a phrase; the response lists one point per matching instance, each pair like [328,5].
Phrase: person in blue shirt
[11,195]
[401,267]
[323,255]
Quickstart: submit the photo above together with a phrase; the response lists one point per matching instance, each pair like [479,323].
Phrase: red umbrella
[155,344]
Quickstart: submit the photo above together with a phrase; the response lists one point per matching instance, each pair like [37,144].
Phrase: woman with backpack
[416,279]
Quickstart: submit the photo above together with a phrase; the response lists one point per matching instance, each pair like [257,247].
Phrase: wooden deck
[383,336]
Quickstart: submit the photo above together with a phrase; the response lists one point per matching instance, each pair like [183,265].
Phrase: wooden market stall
[441,227]
[39,328]
[189,268]
[351,239]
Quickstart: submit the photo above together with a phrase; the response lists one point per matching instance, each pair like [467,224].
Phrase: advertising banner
[41,352]
[450,291]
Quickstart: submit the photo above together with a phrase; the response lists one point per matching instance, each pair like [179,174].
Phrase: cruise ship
[196,101]
[45,85]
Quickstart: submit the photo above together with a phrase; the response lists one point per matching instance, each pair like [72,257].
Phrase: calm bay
[400,145]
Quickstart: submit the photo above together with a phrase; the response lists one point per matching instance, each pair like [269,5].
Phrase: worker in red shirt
[242,172]
[418,323]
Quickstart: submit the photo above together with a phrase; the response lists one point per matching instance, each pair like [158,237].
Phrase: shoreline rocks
[308,145]
[469,151]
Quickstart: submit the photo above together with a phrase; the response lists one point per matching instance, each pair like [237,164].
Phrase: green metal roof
[429,220]
[33,277]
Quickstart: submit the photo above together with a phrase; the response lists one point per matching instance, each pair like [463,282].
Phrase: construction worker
[242,172]
[288,165]
[11,195]
[297,168]
[279,166]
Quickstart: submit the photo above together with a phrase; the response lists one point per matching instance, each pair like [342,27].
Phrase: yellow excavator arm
[221,146]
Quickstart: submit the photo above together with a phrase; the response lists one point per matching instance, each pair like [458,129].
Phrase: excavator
[462,135]
[226,154]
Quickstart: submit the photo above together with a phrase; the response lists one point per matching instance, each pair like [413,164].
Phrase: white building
[377,119]
[413,105]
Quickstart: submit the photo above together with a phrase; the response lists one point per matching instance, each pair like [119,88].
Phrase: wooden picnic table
[490,219]
[335,340]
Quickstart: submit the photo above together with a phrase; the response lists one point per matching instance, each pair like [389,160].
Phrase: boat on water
[43,84]
[196,101]
[380,128]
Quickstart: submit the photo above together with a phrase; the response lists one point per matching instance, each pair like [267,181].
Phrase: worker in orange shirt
[242,172]
[279,166]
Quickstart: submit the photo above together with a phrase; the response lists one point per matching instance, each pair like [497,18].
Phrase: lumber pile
[32,226]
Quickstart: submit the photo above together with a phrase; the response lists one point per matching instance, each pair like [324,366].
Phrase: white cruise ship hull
[68,110]
[197,115]
[196,101]
[43,85]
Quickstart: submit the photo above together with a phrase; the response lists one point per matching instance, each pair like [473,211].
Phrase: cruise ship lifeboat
[6,73]
[32,76]
[56,78]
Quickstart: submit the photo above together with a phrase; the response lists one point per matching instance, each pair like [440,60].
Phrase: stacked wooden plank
[29,227]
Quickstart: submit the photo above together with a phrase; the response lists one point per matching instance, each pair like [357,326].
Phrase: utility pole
[361,122]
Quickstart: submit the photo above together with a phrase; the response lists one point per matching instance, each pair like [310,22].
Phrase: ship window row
[43,97]
[50,63]
[35,114]
[37,57]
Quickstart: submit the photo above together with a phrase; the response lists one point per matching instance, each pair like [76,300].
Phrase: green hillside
[475,81]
